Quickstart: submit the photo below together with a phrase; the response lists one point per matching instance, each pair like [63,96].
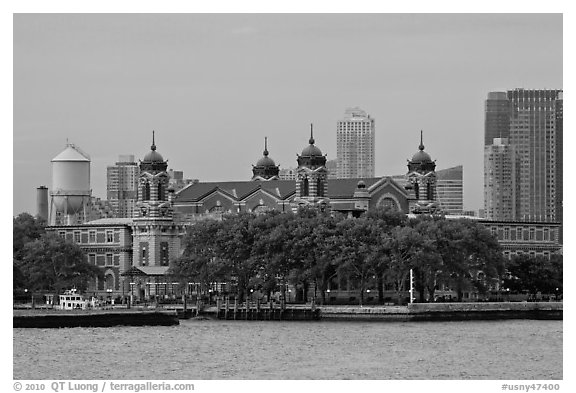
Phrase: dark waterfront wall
[95,319]
[448,312]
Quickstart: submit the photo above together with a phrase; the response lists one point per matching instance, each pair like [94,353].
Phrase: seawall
[61,319]
[447,312]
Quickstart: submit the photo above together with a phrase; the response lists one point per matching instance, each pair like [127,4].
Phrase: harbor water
[251,350]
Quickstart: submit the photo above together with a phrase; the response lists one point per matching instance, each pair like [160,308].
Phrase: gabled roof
[344,188]
[136,271]
[239,189]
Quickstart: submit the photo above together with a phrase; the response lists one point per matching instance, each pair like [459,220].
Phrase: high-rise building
[355,145]
[532,121]
[450,190]
[497,117]
[122,186]
[500,180]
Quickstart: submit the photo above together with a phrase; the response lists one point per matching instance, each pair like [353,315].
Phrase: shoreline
[416,312]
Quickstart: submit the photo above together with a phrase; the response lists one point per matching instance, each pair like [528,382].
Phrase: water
[210,349]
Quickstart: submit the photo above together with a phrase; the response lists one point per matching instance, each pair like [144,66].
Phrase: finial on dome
[311,141]
[421,147]
[153,147]
[266,146]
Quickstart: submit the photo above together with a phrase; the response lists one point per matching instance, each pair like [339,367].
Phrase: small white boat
[71,300]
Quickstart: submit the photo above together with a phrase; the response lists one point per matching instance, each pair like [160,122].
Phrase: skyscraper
[450,190]
[500,180]
[122,186]
[355,145]
[532,122]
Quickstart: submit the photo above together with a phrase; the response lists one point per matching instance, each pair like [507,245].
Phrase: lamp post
[109,291]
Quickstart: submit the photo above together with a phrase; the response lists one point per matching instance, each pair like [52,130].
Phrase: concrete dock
[93,318]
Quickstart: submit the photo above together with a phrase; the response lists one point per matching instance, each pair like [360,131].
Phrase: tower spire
[153,147]
[311,141]
[266,146]
[421,147]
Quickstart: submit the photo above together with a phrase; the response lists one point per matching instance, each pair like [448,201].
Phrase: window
[109,237]
[62,234]
[164,256]
[109,261]
[518,233]
[532,231]
[77,237]
[506,233]
[305,191]
[546,234]
[92,237]
[92,259]
[146,193]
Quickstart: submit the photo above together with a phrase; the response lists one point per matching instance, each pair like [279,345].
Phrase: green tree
[54,264]
[234,244]
[534,274]
[25,229]
[199,262]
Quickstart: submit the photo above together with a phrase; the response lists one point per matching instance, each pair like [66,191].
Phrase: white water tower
[71,192]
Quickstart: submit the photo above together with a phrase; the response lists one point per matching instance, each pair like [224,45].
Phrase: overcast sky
[213,86]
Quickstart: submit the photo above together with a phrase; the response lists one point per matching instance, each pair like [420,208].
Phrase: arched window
[146,192]
[217,209]
[305,187]
[416,190]
[109,281]
[388,202]
[320,187]
[429,191]
[160,192]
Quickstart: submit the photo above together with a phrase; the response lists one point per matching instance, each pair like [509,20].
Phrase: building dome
[311,150]
[265,168]
[153,160]
[311,156]
[421,156]
[265,161]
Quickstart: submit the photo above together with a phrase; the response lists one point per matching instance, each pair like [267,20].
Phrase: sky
[212,86]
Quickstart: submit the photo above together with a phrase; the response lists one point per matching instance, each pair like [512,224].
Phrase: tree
[25,229]
[358,249]
[199,262]
[405,244]
[234,243]
[54,264]
[534,274]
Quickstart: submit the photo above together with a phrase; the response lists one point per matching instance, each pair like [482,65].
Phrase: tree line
[309,248]
[44,262]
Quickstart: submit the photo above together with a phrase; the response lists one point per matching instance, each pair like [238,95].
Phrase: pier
[264,312]
[81,318]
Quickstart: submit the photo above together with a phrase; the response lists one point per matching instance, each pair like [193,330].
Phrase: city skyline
[213,86]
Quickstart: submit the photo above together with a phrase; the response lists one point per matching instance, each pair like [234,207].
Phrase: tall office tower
[497,117]
[535,123]
[355,145]
[122,186]
[449,190]
[500,180]
[332,168]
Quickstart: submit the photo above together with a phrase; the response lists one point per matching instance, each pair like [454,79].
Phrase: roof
[72,153]
[146,271]
[237,189]
[111,221]
[283,189]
